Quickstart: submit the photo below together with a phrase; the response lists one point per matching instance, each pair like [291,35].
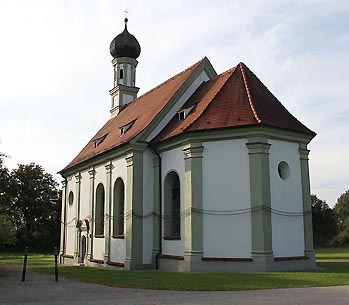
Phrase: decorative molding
[290,258]
[191,152]
[242,132]
[92,173]
[78,178]
[96,260]
[175,257]
[68,256]
[99,236]
[172,238]
[258,148]
[108,167]
[303,153]
[118,236]
[115,264]
[129,160]
[227,259]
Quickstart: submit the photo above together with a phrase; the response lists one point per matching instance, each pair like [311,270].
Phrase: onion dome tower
[125,50]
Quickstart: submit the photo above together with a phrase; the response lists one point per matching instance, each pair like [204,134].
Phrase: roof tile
[234,98]
[142,111]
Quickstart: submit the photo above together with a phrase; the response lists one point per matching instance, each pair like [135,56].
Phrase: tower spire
[125,50]
[126,19]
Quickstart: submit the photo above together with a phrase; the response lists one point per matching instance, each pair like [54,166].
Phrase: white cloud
[56,73]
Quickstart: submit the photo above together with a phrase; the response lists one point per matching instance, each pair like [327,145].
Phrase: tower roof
[125,45]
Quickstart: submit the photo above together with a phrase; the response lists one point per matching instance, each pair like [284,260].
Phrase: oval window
[283,170]
[71,198]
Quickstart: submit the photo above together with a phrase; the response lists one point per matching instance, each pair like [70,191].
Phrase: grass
[332,253]
[331,274]
[34,259]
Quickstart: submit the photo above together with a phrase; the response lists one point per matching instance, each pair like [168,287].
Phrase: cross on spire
[126,13]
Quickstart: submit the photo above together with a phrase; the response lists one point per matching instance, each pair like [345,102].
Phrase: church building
[204,172]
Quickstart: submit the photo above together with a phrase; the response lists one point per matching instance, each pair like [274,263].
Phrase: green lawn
[34,259]
[330,274]
[332,253]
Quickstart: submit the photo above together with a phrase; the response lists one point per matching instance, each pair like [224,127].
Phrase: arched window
[121,73]
[99,216]
[118,208]
[172,206]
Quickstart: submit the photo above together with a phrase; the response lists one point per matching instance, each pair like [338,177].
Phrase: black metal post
[56,262]
[25,263]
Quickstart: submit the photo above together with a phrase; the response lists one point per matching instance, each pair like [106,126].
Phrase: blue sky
[55,68]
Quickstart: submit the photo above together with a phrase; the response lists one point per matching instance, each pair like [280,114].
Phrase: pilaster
[92,174]
[107,228]
[261,228]
[134,206]
[64,218]
[77,212]
[193,250]
[156,210]
[307,218]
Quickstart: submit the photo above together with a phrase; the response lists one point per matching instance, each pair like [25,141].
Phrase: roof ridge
[171,78]
[253,108]
[232,70]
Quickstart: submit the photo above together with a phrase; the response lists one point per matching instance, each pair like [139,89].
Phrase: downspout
[160,212]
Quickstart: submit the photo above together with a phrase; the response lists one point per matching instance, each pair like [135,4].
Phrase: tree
[7,228]
[341,211]
[324,222]
[7,231]
[35,207]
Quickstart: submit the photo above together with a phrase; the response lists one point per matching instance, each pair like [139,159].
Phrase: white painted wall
[148,196]
[99,243]
[226,187]
[71,217]
[118,250]
[286,195]
[173,160]
[118,246]
[85,196]
[98,248]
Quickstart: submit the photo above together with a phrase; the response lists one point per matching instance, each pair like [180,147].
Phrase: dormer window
[126,127]
[183,113]
[98,141]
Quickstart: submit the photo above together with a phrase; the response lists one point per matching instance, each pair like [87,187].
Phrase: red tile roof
[142,111]
[234,98]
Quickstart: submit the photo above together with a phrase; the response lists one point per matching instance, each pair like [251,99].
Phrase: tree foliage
[341,211]
[30,198]
[7,231]
[324,222]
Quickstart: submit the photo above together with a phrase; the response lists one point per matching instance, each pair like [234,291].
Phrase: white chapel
[204,172]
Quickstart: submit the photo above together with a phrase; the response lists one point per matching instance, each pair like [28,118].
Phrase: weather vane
[126,12]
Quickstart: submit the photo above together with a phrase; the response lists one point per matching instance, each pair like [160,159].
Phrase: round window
[71,198]
[283,170]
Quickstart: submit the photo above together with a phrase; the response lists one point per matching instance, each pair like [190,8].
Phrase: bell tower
[125,50]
